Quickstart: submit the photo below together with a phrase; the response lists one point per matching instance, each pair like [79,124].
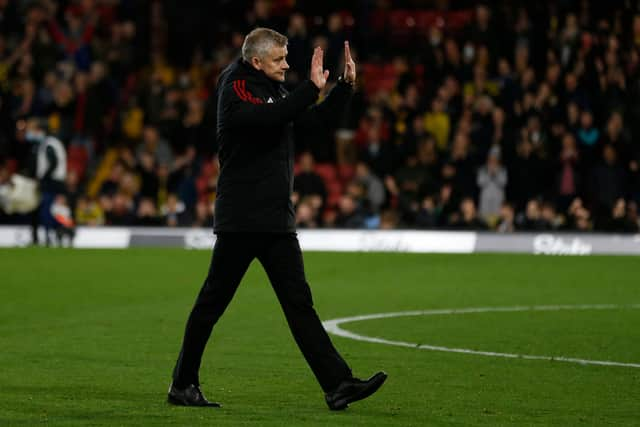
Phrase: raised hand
[349,65]
[318,75]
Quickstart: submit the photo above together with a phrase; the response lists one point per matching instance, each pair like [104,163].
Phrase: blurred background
[505,115]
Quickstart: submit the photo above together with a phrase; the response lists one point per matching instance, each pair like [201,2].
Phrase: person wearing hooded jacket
[258,121]
[47,165]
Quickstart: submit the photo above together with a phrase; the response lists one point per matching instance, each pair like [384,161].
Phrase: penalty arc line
[333,326]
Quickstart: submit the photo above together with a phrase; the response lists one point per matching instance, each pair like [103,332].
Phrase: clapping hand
[318,75]
[349,65]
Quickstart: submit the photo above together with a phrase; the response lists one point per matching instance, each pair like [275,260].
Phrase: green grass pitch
[89,337]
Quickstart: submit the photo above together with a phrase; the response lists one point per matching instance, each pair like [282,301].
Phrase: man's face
[274,64]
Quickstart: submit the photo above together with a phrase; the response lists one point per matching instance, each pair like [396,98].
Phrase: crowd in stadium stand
[502,116]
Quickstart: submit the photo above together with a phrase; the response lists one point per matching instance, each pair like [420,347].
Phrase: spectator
[405,187]
[447,206]
[63,222]
[506,220]
[306,215]
[377,152]
[75,40]
[578,218]
[174,212]
[335,41]
[374,189]
[88,212]
[299,47]
[619,222]
[193,132]
[588,137]
[615,136]
[492,180]
[349,214]
[608,181]
[568,178]
[98,103]
[632,215]
[437,122]
[532,219]
[155,145]
[460,168]
[308,184]
[389,220]
[49,167]
[146,168]
[634,178]
[146,214]
[429,161]
[524,175]
[110,185]
[119,210]
[427,215]
[550,217]
[467,218]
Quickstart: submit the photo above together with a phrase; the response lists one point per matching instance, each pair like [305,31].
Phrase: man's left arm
[328,113]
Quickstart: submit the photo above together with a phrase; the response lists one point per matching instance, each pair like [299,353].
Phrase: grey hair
[260,41]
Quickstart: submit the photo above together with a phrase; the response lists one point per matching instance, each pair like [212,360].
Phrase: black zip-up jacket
[257,123]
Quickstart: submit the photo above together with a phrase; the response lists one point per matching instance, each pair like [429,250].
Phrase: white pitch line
[333,326]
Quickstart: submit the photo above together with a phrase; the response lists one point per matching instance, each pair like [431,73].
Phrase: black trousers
[281,257]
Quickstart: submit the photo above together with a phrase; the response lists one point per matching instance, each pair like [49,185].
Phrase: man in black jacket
[256,123]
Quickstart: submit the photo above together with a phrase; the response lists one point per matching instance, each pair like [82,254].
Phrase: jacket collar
[257,76]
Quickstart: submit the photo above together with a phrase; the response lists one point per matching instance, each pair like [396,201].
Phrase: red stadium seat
[333,200]
[334,192]
[425,19]
[12,166]
[77,159]
[347,19]
[402,25]
[346,172]
[281,7]
[378,77]
[327,171]
[459,19]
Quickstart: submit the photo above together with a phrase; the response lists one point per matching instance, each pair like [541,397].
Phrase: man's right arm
[238,107]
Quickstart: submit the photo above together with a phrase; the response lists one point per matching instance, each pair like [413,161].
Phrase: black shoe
[352,390]
[190,396]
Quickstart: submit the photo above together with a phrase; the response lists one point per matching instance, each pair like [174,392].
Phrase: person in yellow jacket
[438,123]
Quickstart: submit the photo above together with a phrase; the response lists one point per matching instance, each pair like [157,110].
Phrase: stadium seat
[77,159]
[426,19]
[402,23]
[327,171]
[334,192]
[378,77]
[347,19]
[346,172]
[12,166]
[459,19]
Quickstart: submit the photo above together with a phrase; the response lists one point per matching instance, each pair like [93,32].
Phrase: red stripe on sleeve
[240,88]
[237,90]
[249,95]
[243,88]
